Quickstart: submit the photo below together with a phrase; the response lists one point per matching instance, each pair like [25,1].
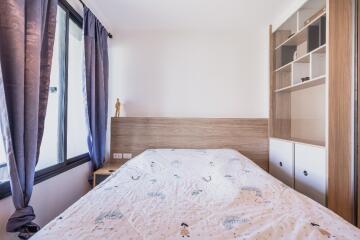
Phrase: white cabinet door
[282,161]
[310,171]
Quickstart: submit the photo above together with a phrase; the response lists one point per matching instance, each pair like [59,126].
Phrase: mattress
[195,194]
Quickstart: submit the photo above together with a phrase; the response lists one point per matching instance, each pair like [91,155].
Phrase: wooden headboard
[135,135]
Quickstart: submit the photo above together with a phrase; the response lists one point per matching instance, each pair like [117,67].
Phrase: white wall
[50,198]
[190,73]
[190,58]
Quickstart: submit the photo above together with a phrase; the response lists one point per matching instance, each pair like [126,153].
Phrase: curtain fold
[96,85]
[27,30]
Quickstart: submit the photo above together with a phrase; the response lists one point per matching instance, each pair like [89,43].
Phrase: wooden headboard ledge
[136,134]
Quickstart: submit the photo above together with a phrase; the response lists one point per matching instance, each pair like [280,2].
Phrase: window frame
[67,164]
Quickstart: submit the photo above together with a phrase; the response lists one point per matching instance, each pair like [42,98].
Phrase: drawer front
[99,178]
[281,163]
[310,171]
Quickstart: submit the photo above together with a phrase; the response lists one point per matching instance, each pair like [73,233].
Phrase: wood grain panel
[248,136]
[358,107]
[282,115]
[271,81]
[340,142]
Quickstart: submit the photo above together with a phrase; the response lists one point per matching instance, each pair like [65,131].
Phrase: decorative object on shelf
[316,15]
[304,79]
[295,55]
[117,108]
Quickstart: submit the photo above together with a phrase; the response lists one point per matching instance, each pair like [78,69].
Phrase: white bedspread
[195,194]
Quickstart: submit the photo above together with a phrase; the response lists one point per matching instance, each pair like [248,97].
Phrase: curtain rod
[109,34]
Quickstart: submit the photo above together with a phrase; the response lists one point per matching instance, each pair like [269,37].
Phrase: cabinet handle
[281,164]
[306,173]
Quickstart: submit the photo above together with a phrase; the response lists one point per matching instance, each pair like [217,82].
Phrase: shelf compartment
[283,77]
[310,83]
[308,13]
[317,34]
[295,40]
[300,70]
[286,67]
[318,64]
[280,36]
[304,58]
[301,36]
[284,56]
[286,29]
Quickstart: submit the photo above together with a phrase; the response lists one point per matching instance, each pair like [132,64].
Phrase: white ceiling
[121,15]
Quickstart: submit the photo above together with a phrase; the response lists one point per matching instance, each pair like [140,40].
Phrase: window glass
[4,174]
[76,120]
[52,143]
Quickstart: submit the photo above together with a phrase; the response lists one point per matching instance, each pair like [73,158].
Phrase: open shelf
[310,83]
[301,35]
[318,63]
[286,67]
[304,59]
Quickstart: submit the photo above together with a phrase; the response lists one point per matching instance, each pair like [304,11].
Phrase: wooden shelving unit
[311,123]
[299,75]
[298,100]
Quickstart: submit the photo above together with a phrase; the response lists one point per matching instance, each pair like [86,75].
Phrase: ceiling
[122,15]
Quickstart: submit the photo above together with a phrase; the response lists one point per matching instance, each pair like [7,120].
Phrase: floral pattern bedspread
[195,194]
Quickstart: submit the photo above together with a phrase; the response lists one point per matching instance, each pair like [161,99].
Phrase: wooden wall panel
[358,106]
[271,81]
[248,136]
[340,142]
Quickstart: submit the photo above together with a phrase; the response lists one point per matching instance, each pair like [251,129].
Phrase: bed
[195,194]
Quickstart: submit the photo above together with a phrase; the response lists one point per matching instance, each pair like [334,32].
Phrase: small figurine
[117,108]
[184,232]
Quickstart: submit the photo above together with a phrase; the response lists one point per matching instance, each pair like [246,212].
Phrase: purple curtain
[96,85]
[27,30]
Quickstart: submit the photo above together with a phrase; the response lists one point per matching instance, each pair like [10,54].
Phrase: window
[51,147]
[65,124]
[64,143]
[4,175]
[76,118]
